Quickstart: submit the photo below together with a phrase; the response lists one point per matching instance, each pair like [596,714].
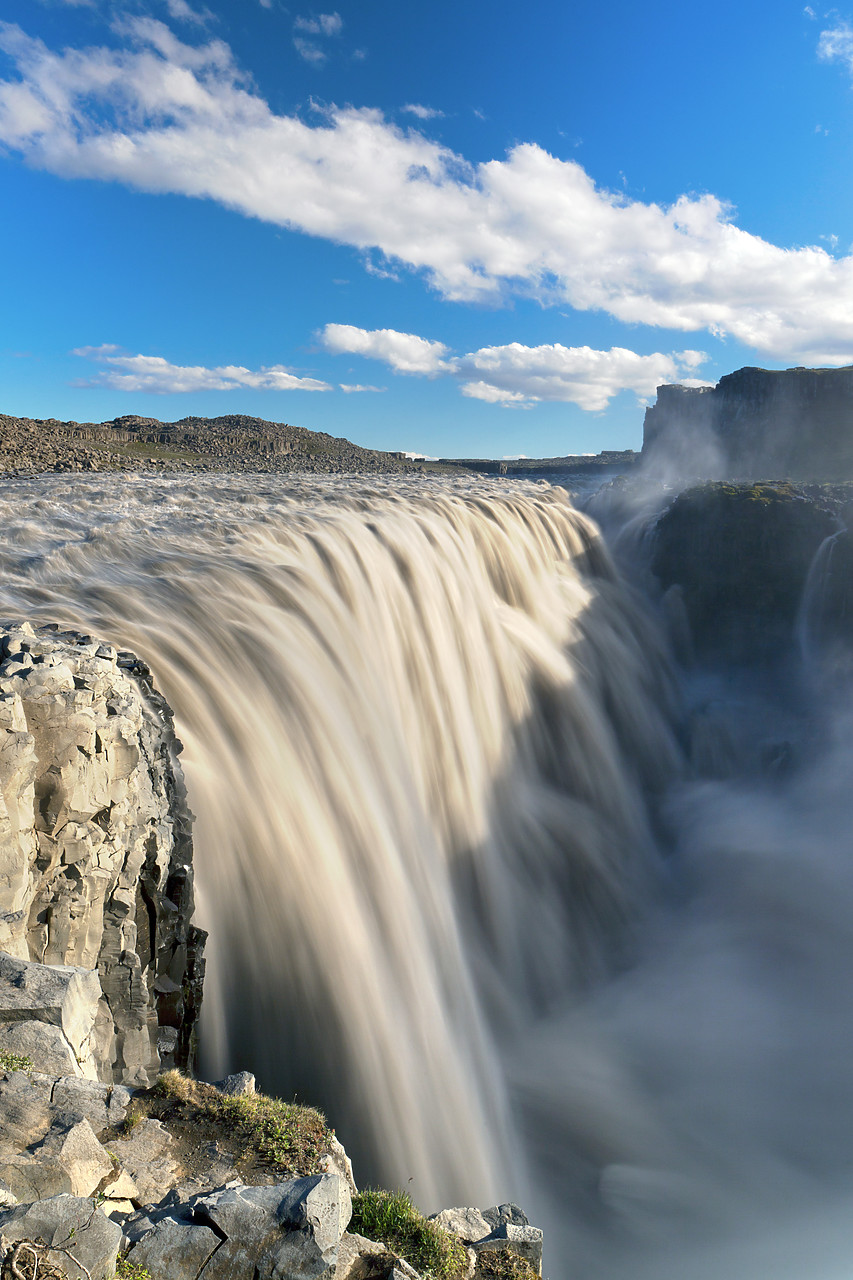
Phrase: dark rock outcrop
[793,423]
[739,555]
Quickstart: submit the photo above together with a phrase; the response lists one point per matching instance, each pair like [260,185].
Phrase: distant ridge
[232,442]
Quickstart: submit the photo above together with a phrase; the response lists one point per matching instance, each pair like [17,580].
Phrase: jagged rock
[174,1250]
[67,1222]
[525,1241]
[65,998]
[337,1161]
[102,1105]
[506,1213]
[497,1229]
[289,1230]
[144,1154]
[468,1224]
[25,1109]
[360,1258]
[79,1155]
[236,1085]
[95,847]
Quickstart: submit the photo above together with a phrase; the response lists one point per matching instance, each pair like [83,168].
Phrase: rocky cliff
[95,862]
[755,424]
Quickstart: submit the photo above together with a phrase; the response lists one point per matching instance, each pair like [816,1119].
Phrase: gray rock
[469,1224]
[355,1253]
[242,1082]
[25,1110]
[71,1223]
[102,1105]
[323,1203]
[506,1213]
[62,996]
[525,1241]
[337,1161]
[45,1046]
[144,1154]
[175,1250]
[95,849]
[283,1232]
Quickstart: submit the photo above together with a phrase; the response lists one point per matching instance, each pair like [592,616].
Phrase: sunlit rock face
[756,424]
[95,848]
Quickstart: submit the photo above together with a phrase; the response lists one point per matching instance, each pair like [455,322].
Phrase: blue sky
[462,229]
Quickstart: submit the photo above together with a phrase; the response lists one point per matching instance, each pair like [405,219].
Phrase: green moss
[390,1217]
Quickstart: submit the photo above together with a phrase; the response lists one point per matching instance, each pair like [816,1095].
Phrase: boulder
[144,1155]
[291,1230]
[175,1250]
[71,1224]
[66,999]
[501,1228]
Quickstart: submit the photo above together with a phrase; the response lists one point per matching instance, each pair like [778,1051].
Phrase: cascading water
[460,892]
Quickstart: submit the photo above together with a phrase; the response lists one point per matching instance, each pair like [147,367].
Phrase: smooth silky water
[464,887]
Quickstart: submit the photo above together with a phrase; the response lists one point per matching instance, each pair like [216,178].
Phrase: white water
[459,889]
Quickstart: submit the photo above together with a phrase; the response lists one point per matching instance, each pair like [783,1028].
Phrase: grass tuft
[290,1137]
[503,1264]
[128,1270]
[390,1217]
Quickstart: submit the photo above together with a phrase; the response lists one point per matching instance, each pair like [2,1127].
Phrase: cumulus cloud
[350,387]
[404,352]
[165,116]
[154,374]
[516,375]
[836,44]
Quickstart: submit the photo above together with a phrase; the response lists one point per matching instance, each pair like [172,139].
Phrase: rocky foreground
[112,1161]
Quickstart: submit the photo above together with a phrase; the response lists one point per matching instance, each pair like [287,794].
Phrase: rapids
[465,888]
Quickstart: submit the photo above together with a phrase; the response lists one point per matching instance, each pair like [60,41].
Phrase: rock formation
[739,557]
[755,424]
[101,959]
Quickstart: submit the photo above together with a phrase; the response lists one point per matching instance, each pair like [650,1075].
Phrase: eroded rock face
[756,423]
[95,843]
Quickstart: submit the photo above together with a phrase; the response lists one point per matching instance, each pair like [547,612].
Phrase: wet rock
[741,556]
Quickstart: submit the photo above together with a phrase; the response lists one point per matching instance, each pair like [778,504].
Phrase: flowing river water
[465,888]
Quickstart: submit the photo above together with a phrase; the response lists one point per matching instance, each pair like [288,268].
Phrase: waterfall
[422,728]
[462,891]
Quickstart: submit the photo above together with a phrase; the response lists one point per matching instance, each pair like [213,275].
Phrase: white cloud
[325,24]
[836,44]
[404,352]
[154,374]
[164,116]
[182,12]
[308,51]
[422,113]
[515,375]
[350,387]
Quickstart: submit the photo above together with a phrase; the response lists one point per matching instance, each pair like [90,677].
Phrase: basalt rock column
[95,842]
